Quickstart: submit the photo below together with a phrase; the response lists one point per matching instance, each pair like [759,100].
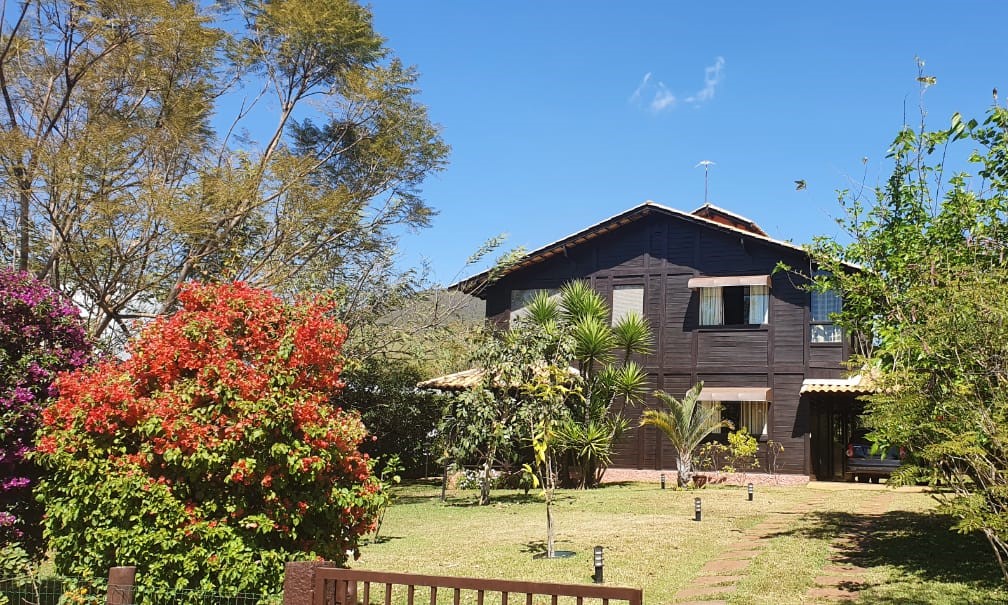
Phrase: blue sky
[561,114]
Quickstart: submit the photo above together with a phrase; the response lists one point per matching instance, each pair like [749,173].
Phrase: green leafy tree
[930,306]
[151,142]
[685,424]
[493,421]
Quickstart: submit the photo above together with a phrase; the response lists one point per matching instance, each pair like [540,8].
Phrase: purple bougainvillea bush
[41,334]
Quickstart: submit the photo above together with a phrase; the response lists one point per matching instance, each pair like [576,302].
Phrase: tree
[151,142]
[492,421]
[685,424]
[402,418]
[41,334]
[212,454]
[930,306]
[595,420]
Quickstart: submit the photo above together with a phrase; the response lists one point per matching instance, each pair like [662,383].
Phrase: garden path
[838,581]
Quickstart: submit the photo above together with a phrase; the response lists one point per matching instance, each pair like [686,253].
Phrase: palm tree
[685,424]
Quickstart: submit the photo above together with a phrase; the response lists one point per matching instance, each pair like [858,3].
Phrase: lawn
[651,541]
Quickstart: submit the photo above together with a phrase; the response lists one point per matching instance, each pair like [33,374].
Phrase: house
[763,346]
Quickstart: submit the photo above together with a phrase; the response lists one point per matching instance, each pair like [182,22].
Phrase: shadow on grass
[472,501]
[919,545]
[381,539]
[538,547]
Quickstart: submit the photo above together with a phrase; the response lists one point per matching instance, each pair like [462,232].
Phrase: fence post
[121,584]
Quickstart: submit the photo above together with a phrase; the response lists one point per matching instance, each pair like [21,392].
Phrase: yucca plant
[580,317]
[685,424]
[632,335]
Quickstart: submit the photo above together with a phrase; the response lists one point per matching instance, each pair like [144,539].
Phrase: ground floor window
[749,414]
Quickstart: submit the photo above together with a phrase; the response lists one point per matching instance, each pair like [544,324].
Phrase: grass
[651,541]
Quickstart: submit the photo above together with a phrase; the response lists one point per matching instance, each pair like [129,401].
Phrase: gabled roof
[728,223]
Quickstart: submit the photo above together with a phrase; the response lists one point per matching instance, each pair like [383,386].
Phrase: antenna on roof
[706,167]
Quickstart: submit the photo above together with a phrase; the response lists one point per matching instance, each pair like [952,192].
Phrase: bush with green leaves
[402,418]
[212,454]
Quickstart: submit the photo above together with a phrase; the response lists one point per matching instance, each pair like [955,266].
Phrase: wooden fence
[315,583]
[335,586]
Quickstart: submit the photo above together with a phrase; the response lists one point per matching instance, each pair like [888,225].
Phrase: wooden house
[705,280]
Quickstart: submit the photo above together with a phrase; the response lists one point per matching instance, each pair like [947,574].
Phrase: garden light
[663,480]
[696,508]
[749,489]
[598,565]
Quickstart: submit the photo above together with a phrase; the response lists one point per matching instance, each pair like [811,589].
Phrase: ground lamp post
[749,489]
[663,480]
[598,565]
[696,509]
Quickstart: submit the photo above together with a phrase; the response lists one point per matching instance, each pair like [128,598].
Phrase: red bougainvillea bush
[41,333]
[211,455]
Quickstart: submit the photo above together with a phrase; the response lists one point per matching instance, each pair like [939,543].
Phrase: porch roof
[857,384]
[467,379]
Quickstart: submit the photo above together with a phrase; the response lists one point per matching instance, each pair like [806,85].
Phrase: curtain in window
[754,417]
[825,303]
[711,307]
[759,304]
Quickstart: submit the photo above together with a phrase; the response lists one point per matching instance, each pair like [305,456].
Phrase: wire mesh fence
[33,590]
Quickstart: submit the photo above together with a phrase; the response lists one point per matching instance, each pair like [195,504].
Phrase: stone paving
[837,581]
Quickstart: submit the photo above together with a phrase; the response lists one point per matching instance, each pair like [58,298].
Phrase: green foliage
[402,419]
[931,302]
[491,423]
[739,454]
[685,424]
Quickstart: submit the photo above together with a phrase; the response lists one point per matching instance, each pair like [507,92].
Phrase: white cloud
[663,98]
[658,97]
[712,77]
[640,88]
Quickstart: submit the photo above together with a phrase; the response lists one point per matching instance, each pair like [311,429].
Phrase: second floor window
[824,306]
[627,300]
[734,305]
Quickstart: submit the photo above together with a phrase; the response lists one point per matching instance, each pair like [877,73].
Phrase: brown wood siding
[624,250]
[825,356]
[722,254]
[789,318]
[732,348]
[789,423]
[727,379]
[677,334]
[680,248]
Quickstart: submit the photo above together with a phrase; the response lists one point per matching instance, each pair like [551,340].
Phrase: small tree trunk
[485,484]
[549,484]
[684,467]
